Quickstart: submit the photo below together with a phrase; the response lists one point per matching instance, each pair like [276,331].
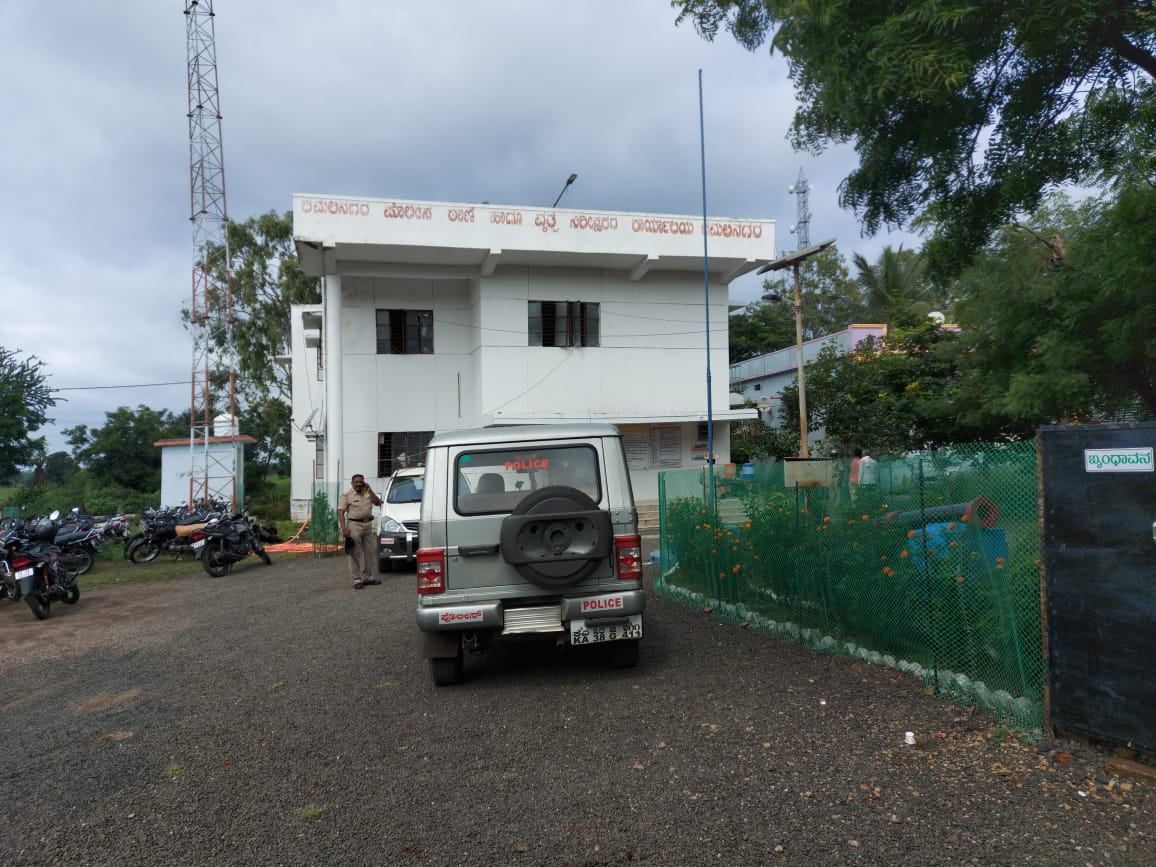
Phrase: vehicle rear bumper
[491,614]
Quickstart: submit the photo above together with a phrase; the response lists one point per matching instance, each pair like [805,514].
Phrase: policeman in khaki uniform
[355,515]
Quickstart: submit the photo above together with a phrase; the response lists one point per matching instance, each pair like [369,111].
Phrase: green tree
[265,279]
[1058,314]
[59,467]
[121,452]
[891,396]
[24,403]
[831,302]
[895,283]
[962,113]
[752,440]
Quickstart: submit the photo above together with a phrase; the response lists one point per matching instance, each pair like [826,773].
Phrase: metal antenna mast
[803,215]
[213,473]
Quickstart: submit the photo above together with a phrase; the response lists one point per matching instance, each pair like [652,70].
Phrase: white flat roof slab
[384,237]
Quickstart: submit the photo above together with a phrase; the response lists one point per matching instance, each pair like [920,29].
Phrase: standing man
[355,515]
[868,470]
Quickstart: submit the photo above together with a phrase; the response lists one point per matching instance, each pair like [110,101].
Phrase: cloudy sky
[444,100]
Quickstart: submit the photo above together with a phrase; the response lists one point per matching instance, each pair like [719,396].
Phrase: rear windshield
[490,482]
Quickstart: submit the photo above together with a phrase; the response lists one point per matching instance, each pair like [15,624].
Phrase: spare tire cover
[556,537]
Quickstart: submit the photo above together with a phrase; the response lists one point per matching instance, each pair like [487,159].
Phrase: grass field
[112,568]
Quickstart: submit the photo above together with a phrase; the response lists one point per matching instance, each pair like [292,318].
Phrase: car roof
[523,433]
[408,471]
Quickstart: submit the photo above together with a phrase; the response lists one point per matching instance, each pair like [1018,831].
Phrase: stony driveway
[276,716]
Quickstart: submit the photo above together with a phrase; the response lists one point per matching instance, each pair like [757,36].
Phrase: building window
[404,332]
[401,449]
[563,323]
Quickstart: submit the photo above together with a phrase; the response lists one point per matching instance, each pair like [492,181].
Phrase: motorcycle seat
[188,529]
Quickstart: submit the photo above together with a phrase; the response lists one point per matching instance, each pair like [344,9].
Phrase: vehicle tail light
[19,563]
[431,571]
[628,557]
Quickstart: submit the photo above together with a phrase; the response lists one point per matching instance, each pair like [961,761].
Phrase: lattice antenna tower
[799,189]
[213,472]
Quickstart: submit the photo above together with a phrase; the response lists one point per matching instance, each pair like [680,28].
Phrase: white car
[400,510]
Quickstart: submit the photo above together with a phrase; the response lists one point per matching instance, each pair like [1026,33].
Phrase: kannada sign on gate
[1125,460]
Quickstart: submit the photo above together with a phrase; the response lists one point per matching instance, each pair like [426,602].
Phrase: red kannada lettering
[397,211]
[506,218]
[334,207]
[461,215]
[596,223]
[458,616]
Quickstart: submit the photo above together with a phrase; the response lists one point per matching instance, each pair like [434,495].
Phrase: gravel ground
[275,716]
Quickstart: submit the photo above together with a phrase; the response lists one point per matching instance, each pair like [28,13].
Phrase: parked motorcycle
[228,541]
[168,531]
[32,568]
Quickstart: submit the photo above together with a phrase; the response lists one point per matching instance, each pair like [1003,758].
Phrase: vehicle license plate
[596,631]
[24,573]
[199,544]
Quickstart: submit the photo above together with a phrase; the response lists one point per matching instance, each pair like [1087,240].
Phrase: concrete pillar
[334,420]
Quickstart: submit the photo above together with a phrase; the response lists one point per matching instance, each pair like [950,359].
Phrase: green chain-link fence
[934,570]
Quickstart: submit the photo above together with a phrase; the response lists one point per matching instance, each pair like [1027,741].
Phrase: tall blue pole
[706,295]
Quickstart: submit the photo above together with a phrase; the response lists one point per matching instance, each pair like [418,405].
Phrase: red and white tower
[212,417]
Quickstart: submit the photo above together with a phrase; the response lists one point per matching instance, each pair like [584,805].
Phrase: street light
[573,177]
[795,261]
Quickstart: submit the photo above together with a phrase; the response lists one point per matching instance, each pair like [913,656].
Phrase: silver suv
[528,529]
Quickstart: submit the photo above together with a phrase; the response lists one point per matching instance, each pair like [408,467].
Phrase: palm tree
[896,282]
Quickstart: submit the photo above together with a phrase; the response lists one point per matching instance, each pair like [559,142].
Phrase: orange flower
[951,526]
[903,554]
[959,578]
[965,517]
[999,559]
[910,533]
[951,544]
[756,556]
[737,568]
[999,566]
[826,520]
[865,518]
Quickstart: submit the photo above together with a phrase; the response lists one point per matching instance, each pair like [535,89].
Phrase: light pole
[794,262]
[573,177]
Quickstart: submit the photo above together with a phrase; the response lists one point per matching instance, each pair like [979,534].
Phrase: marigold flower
[826,520]
[999,565]
[965,517]
[999,559]
[910,534]
[756,556]
[903,554]
[865,518]
[951,526]
[737,568]
[960,578]
[951,544]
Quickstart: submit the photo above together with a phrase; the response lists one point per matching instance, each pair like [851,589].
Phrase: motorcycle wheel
[215,562]
[72,594]
[79,560]
[265,558]
[39,603]
[144,551]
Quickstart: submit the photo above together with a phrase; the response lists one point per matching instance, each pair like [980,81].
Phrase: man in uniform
[355,515]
